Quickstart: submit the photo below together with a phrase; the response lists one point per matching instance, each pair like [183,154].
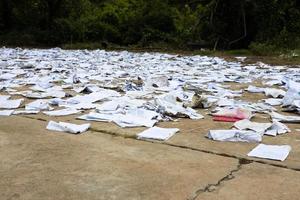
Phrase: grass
[283,57]
[89,46]
[258,53]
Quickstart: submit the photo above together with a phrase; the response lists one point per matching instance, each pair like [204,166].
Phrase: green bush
[267,25]
[263,49]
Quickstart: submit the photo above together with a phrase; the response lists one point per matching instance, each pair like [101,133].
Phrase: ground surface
[107,162]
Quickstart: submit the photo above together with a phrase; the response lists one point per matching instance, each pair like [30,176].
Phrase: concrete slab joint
[211,187]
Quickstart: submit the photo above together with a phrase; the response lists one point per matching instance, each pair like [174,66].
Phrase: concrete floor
[107,162]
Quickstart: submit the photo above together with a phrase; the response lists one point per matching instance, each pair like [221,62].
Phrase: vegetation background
[263,26]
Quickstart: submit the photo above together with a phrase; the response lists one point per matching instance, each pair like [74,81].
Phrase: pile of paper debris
[142,89]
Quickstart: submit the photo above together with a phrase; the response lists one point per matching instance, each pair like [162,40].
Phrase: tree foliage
[219,24]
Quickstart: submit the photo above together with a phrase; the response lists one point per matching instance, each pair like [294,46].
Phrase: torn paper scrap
[122,120]
[63,112]
[6,112]
[40,104]
[254,89]
[273,129]
[94,97]
[158,133]
[232,115]
[97,117]
[80,106]
[130,120]
[273,152]
[292,94]
[285,118]
[7,76]
[273,101]
[136,117]
[246,124]
[273,82]
[225,102]
[4,97]
[108,106]
[67,127]
[234,136]
[260,107]
[275,93]
[143,113]
[32,95]
[169,106]
[10,104]
[157,82]
[277,128]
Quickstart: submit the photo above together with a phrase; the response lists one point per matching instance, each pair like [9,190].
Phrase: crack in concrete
[233,156]
[134,137]
[211,187]
[113,133]
[39,119]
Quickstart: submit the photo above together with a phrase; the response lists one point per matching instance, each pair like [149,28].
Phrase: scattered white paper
[275,93]
[273,101]
[285,118]
[6,112]
[158,133]
[273,152]
[130,120]
[67,127]
[10,104]
[292,94]
[277,128]
[234,136]
[254,126]
[80,106]
[255,89]
[63,112]
[97,117]
[38,105]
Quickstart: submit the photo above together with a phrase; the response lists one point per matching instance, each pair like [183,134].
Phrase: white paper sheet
[63,112]
[254,89]
[273,152]
[158,133]
[254,126]
[67,127]
[170,107]
[10,104]
[285,118]
[234,136]
[129,120]
[97,117]
[80,106]
[277,128]
[275,93]
[273,101]
[37,105]
[4,97]
[6,112]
